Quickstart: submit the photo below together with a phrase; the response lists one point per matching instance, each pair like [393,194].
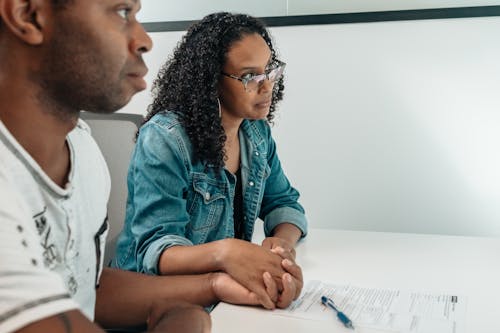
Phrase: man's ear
[24,18]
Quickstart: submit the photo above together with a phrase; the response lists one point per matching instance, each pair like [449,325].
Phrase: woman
[205,166]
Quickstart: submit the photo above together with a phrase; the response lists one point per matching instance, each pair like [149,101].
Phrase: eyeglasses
[252,82]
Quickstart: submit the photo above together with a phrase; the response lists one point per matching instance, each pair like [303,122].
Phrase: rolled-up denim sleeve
[285,215]
[156,216]
[155,249]
[280,201]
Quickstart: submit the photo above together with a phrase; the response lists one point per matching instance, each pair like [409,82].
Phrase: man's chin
[109,106]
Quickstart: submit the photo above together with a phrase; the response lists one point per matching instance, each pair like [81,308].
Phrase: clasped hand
[268,272]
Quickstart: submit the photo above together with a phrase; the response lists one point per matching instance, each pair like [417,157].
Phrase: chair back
[115,135]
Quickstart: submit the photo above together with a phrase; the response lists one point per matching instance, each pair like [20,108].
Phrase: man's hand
[177,316]
[228,290]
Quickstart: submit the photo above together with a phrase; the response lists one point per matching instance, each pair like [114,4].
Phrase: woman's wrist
[220,254]
[288,232]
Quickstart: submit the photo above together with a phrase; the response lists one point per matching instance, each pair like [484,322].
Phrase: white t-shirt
[51,238]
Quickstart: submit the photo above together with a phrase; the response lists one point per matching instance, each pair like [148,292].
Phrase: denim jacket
[174,199]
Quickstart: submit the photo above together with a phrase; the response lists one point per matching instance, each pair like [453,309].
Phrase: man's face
[92,55]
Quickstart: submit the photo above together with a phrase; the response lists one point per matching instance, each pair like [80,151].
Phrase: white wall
[390,126]
[305,7]
[171,10]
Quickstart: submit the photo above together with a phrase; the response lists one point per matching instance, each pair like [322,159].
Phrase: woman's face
[250,55]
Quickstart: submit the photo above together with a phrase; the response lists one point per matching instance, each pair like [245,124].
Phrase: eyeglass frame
[266,74]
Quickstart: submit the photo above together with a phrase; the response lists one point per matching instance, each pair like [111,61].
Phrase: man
[58,57]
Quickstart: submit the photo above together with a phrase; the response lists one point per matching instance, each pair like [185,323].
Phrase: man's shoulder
[22,268]
[83,144]
[82,130]
[81,125]
[88,161]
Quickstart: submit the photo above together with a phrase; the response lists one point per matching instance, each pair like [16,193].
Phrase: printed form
[384,309]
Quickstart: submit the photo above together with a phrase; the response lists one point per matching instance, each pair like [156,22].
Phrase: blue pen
[342,317]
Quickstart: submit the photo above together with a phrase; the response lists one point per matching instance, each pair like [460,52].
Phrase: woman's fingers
[296,273]
[289,291]
[271,287]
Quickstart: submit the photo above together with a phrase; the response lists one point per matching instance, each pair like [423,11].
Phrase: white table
[468,266]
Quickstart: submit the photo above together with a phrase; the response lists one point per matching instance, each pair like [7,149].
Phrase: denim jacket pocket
[208,201]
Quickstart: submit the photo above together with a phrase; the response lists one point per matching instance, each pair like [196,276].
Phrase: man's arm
[130,299]
[125,298]
[67,322]
[181,317]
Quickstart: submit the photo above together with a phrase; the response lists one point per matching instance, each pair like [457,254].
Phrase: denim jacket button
[207,196]
[250,183]
[257,153]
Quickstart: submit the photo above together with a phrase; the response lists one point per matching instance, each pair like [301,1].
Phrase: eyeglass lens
[257,80]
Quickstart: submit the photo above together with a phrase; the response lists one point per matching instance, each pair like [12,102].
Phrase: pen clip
[328,302]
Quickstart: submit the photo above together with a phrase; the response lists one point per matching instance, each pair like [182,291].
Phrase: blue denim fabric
[174,199]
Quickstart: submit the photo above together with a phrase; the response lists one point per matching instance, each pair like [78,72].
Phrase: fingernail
[288,262]
[288,278]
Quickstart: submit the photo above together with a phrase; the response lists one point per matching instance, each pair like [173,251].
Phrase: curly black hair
[187,83]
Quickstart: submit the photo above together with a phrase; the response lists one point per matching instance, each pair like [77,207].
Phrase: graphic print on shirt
[52,255]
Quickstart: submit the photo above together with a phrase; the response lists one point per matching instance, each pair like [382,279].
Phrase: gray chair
[115,135]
